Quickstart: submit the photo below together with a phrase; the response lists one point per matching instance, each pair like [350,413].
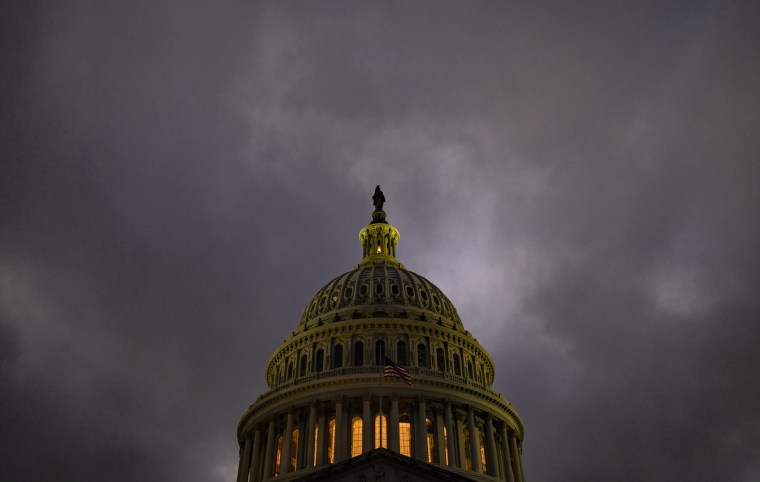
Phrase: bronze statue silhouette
[378,199]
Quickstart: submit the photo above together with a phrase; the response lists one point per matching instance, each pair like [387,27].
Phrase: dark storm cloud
[178,180]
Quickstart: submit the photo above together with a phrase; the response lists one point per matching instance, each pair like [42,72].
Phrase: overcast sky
[177,179]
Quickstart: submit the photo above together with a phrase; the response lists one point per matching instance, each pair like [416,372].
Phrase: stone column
[492,464]
[321,437]
[510,477]
[310,440]
[515,456]
[474,441]
[366,426]
[255,457]
[287,444]
[245,459]
[451,433]
[269,456]
[440,443]
[420,435]
[393,443]
[340,428]
[520,459]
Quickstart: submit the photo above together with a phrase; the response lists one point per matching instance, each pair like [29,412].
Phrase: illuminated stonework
[323,403]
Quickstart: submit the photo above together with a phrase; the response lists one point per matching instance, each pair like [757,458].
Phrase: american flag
[393,370]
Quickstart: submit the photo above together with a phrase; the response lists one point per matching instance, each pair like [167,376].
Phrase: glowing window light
[331,441]
[356,436]
[380,419]
[278,459]
[405,438]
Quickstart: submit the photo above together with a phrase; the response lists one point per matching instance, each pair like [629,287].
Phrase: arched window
[405,435]
[380,352]
[483,454]
[422,355]
[381,431]
[401,353]
[356,436]
[457,367]
[293,449]
[320,363]
[331,441]
[430,440]
[278,459]
[469,369]
[467,449]
[440,359]
[302,370]
[358,353]
[290,370]
[338,356]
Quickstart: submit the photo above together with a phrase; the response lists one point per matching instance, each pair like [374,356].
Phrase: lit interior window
[467,450]
[446,445]
[483,453]
[379,248]
[293,449]
[381,431]
[430,440]
[331,441]
[316,437]
[405,438]
[356,436]
[278,459]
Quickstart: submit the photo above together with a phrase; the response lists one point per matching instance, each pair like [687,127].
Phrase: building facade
[328,402]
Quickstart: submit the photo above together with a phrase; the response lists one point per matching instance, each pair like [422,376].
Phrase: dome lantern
[379,239]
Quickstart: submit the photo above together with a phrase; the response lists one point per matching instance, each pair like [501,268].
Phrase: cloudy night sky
[177,179]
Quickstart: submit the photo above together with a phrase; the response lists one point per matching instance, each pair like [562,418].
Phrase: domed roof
[380,286]
[379,290]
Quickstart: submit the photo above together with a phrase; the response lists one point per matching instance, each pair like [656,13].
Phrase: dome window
[358,354]
[401,353]
[379,352]
[394,290]
[436,300]
[363,290]
[320,360]
[422,355]
[409,292]
[424,295]
[379,288]
[349,291]
[338,356]
[302,368]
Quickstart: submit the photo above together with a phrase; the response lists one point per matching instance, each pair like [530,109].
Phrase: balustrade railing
[416,372]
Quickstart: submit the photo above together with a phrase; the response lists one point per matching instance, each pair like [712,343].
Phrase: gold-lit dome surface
[379,290]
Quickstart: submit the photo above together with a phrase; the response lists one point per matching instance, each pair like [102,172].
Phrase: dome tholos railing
[416,372]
